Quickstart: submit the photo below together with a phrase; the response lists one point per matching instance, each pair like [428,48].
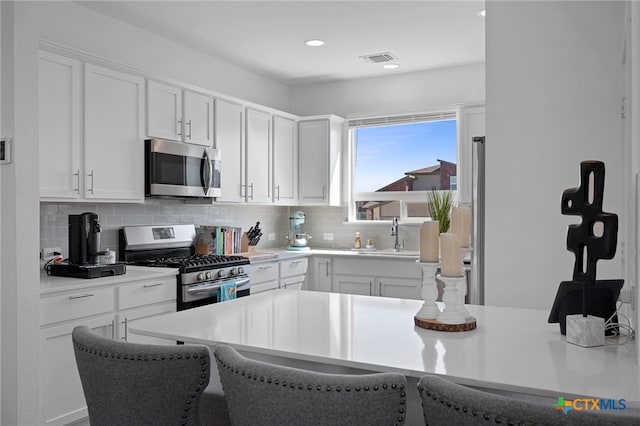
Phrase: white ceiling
[268,36]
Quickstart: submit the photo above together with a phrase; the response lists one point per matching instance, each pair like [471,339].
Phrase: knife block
[244,244]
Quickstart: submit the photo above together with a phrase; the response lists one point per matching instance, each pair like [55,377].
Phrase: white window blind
[401,119]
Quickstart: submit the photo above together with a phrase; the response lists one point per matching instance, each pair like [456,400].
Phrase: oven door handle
[207,289]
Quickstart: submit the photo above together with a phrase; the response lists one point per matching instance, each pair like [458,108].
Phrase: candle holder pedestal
[455,316]
[429,309]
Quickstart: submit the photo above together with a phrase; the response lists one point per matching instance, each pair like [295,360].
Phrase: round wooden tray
[433,324]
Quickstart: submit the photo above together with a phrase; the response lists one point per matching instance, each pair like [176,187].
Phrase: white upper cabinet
[164,111]
[229,131]
[113,135]
[60,126]
[285,161]
[177,114]
[258,157]
[198,118]
[106,161]
[319,147]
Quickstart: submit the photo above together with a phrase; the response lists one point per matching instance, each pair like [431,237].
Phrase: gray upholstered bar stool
[448,403]
[139,384]
[260,393]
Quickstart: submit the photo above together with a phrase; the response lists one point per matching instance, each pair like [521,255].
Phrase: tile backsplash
[273,219]
[54,219]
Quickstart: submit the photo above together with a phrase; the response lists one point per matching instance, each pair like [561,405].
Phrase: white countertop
[51,284]
[512,349]
[283,254]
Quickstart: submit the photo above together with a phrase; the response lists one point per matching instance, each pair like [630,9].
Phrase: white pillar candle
[457,222]
[429,241]
[465,239]
[451,262]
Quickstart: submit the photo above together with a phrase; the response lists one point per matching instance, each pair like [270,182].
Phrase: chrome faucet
[394,233]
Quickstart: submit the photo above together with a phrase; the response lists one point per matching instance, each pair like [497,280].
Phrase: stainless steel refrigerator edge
[476,289]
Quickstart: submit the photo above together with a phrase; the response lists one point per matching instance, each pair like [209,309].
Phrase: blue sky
[385,153]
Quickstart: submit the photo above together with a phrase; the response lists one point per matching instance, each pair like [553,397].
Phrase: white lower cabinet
[320,277]
[284,274]
[373,277]
[125,319]
[61,397]
[353,284]
[108,311]
[264,277]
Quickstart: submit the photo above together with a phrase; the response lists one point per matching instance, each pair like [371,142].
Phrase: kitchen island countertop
[513,350]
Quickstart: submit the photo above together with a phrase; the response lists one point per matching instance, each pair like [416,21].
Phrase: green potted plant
[439,203]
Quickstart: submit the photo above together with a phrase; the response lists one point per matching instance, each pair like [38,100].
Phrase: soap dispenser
[357,243]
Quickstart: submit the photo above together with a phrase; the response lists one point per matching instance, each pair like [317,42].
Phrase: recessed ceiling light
[314,43]
[390,66]
[482,13]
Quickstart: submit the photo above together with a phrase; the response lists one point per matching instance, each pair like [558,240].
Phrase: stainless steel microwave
[176,169]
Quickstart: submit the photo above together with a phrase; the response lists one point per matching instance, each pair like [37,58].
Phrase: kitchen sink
[390,252]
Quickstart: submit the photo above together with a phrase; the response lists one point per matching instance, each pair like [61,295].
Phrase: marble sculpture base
[433,324]
[585,331]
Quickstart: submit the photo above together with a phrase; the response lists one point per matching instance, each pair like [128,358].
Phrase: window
[395,161]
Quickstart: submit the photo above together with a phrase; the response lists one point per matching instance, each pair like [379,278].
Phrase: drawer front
[293,267]
[147,292]
[265,286]
[74,305]
[263,272]
[293,282]
[379,268]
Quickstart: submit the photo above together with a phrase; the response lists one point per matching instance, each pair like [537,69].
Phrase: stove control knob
[200,276]
[208,275]
[240,270]
[233,272]
[221,273]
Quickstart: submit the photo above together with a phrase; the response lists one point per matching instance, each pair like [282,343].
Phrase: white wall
[396,93]
[554,83]
[20,277]
[76,26]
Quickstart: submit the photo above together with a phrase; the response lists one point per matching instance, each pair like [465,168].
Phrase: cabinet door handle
[265,267]
[379,288]
[81,296]
[179,128]
[242,195]
[189,124]
[77,175]
[91,175]
[370,288]
[113,329]
[152,285]
[251,186]
[278,192]
[324,192]
[327,265]
[295,262]
[125,330]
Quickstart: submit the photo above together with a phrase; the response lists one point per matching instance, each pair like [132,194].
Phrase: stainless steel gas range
[200,276]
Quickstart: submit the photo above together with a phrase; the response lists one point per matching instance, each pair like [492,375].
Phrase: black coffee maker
[84,251]
[84,239]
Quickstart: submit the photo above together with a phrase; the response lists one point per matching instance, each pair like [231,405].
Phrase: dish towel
[226,292]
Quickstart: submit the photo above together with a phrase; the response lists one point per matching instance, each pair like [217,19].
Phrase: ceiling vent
[379,58]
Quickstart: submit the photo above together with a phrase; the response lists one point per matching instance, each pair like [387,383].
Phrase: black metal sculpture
[594,238]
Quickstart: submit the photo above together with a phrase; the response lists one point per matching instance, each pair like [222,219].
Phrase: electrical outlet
[272,236]
[626,295]
[327,236]
[49,252]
